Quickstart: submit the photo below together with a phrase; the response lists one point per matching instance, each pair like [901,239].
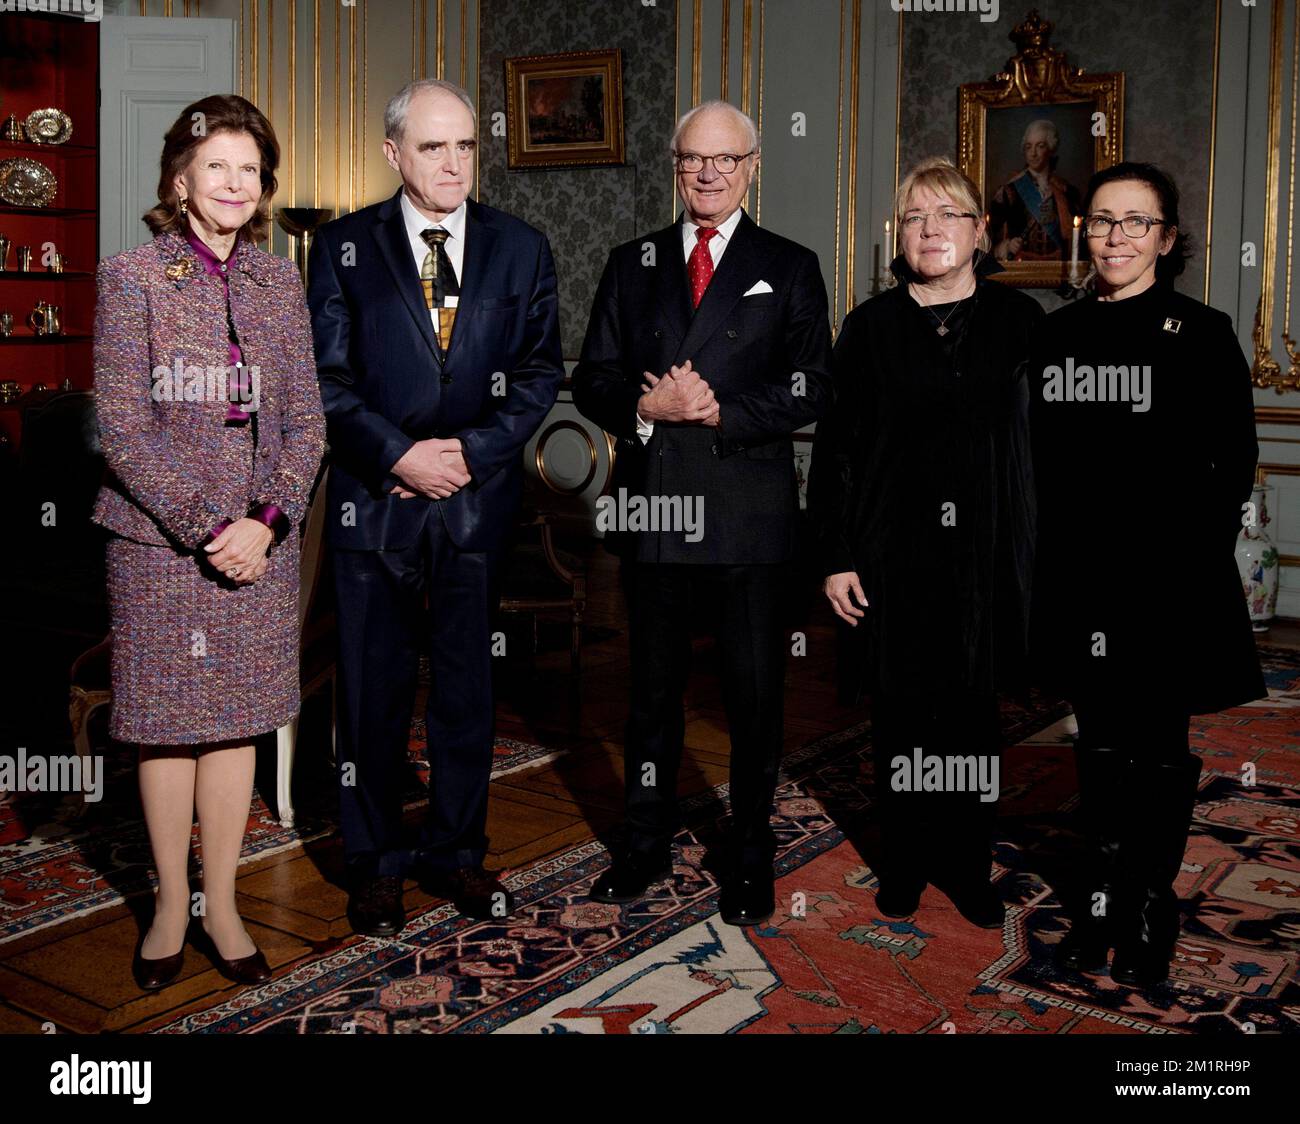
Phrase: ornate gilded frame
[609,149]
[1037,74]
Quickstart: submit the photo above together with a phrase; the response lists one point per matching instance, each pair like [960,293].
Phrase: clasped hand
[681,395]
[239,552]
[435,468]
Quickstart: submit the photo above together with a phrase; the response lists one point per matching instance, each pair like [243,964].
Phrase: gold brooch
[181,269]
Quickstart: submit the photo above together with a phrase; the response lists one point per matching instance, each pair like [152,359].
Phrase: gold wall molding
[892,248]
[252,35]
[1281,373]
[293,101]
[851,242]
[365,83]
[839,161]
[726,50]
[696,71]
[352,108]
[338,104]
[762,46]
[315,108]
[270,60]
[1214,136]
[1276,415]
[746,50]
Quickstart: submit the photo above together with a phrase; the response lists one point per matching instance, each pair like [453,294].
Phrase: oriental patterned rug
[60,857]
[828,962]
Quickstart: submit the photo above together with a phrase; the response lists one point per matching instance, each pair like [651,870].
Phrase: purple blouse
[267,513]
[216,267]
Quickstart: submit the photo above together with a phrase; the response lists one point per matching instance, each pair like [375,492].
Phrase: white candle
[1074,244]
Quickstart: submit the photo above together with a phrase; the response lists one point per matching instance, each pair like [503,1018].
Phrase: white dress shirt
[454,225]
[717,246]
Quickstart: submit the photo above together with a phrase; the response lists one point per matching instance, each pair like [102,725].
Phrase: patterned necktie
[438,280]
[699,267]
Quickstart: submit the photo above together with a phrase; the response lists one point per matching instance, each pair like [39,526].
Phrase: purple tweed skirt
[196,659]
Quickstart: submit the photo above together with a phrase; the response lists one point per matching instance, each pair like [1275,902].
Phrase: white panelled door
[150,69]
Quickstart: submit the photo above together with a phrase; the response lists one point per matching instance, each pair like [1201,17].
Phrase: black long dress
[922,421]
[1137,598]
[921,484]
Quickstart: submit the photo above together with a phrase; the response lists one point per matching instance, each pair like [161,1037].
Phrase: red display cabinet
[51,61]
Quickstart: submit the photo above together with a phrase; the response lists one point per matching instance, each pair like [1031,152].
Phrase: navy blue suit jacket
[385,385]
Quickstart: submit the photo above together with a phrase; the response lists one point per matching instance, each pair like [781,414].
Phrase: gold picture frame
[1086,111]
[565,110]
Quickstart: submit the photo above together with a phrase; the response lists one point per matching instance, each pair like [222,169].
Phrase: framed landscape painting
[565,110]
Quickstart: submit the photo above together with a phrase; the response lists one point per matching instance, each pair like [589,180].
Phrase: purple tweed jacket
[172,474]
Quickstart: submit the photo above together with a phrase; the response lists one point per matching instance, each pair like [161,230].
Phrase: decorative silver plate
[48,126]
[26,183]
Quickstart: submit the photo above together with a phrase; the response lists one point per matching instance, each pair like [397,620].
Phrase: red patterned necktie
[699,267]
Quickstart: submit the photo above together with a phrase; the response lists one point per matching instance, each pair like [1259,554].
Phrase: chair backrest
[59,463]
[312,551]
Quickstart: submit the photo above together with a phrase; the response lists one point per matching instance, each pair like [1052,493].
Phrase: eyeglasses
[1134,226]
[724,162]
[916,220]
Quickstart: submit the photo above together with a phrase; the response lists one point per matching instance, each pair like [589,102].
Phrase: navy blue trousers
[383,628]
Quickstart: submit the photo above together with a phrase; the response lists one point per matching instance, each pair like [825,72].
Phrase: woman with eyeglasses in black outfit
[1143,435]
[921,496]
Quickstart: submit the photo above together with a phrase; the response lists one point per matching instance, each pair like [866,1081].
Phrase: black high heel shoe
[153,974]
[247,970]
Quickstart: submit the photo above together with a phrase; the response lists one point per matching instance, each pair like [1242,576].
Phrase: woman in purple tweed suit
[212,431]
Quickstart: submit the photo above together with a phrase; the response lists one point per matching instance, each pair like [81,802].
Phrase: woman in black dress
[920,488]
[1144,455]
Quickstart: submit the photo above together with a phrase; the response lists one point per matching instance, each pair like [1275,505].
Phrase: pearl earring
[185,210]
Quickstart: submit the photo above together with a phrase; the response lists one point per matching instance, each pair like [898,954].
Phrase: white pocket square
[759,287]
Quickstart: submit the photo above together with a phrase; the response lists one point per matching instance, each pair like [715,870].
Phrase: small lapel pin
[1172,325]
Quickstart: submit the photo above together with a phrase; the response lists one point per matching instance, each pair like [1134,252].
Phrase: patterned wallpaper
[584,211]
[1166,98]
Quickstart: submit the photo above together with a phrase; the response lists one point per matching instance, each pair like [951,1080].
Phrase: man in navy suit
[437,347]
[708,346]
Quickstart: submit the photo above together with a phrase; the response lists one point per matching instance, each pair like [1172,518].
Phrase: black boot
[1105,791]
[1147,922]
[961,860]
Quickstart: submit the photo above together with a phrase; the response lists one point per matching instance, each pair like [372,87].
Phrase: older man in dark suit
[437,346]
[708,346]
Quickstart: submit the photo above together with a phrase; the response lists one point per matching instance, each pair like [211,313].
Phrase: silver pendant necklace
[942,329]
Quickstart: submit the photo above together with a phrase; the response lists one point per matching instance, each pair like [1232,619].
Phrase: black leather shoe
[475,892]
[630,876]
[246,970]
[155,974]
[978,902]
[375,907]
[1083,948]
[898,898]
[749,898]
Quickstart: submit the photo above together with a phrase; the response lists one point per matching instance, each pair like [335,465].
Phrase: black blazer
[385,385]
[767,358]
